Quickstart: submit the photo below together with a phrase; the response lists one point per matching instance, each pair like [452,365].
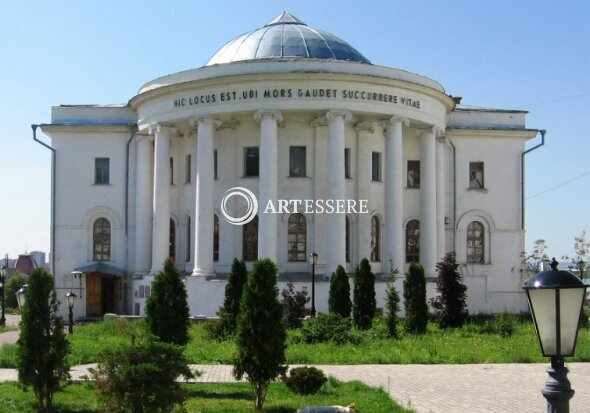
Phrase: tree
[339,296]
[260,337]
[450,304]
[13,284]
[365,303]
[167,312]
[233,294]
[293,305]
[580,260]
[533,260]
[42,346]
[415,300]
[392,305]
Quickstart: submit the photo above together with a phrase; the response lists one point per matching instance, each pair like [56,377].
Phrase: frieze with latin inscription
[289,93]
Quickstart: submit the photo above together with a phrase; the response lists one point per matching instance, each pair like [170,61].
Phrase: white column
[268,183]
[161,205]
[143,204]
[440,197]
[336,223]
[394,202]
[428,237]
[203,247]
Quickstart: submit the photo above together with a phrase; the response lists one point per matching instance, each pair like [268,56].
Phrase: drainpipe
[53,166]
[133,128]
[542,132]
[454,194]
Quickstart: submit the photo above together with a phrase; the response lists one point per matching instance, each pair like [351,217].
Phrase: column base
[203,272]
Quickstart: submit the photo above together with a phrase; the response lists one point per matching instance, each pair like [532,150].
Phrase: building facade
[302,120]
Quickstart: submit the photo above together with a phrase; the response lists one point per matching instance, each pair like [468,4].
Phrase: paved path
[471,388]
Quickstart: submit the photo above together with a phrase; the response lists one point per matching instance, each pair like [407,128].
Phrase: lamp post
[2,286]
[314,260]
[71,300]
[20,297]
[555,298]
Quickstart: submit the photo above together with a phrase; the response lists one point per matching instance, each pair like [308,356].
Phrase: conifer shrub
[167,311]
[450,304]
[415,300]
[42,346]
[236,279]
[365,303]
[293,305]
[339,296]
[260,335]
[392,306]
[305,380]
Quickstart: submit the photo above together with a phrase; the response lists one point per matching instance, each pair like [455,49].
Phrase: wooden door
[93,296]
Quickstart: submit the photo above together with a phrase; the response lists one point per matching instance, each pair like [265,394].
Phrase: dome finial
[285,17]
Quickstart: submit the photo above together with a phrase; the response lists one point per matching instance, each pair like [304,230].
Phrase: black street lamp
[20,297]
[555,299]
[314,260]
[71,300]
[2,286]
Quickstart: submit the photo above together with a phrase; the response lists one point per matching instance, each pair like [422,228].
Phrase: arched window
[375,239]
[187,252]
[413,241]
[172,251]
[101,240]
[347,238]
[475,242]
[215,238]
[250,240]
[297,238]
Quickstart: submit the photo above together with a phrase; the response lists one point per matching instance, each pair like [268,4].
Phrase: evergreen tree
[392,305]
[415,300]
[261,334]
[233,294]
[167,312]
[450,304]
[365,303]
[339,298]
[42,346]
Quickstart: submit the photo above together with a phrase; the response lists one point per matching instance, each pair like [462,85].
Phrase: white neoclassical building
[304,121]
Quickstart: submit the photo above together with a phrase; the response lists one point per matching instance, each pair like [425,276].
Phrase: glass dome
[286,36]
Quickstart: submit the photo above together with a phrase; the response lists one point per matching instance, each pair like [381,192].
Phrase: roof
[102,268]
[286,36]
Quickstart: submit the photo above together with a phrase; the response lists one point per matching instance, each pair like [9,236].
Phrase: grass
[479,341]
[217,398]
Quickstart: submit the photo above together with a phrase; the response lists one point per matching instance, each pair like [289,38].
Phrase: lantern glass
[20,298]
[313,258]
[71,299]
[3,271]
[571,304]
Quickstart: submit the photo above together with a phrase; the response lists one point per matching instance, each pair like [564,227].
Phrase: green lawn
[217,398]
[477,342]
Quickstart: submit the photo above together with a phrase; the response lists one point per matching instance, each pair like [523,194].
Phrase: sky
[530,55]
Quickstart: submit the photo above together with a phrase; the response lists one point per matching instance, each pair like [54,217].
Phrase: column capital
[268,113]
[344,114]
[436,131]
[204,120]
[139,137]
[159,128]
[365,126]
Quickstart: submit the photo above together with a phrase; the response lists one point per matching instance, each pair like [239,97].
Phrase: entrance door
[108,295]
[93,295]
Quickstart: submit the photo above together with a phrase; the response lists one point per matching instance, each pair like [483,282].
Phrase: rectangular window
[297,161]
[476,175]
[413,174]
[171,171]
[188,169]
[376,167]
[215,164]
[347,173]
[251,161]
[101,171]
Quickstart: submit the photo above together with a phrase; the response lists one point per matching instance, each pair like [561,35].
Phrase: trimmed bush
[233,294]
[365,303]
[42,346]
[305,380]
[392,305]
[328,328]
[260,336]
[294,305]
[450,305]
[415,300]
[339,297]
[166,309]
